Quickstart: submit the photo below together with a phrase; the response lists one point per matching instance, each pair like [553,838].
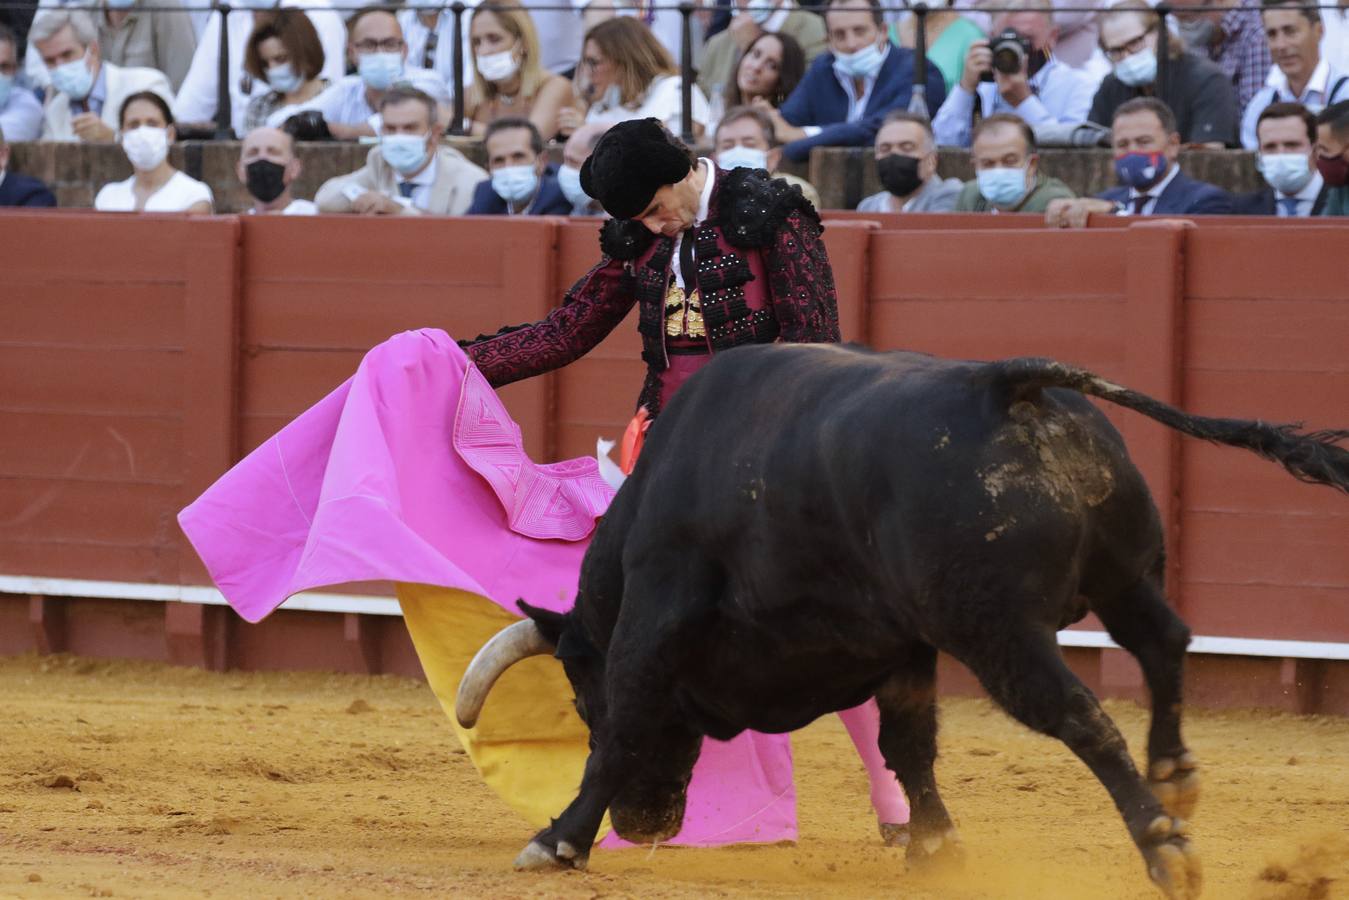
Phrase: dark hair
[367,10]
[1337,117]
[761,118]
[1310,13]
[903,115]
[877,14]
[1147,104]
[1289,111]
[511,122]
[297,34]
[148,97]
[402,92]
[1011,119]
[791,70]
[7,35]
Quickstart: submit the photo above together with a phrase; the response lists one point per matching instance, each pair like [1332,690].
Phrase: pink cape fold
[412,470]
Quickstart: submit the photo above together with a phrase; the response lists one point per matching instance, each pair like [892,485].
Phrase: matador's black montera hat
[632,161]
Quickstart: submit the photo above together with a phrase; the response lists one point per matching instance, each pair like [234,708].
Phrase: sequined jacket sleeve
[591,309]
[802,283]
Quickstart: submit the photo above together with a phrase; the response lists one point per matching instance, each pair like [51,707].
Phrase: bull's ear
[551,624]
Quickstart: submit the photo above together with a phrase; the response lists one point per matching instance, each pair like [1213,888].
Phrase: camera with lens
[1010,50]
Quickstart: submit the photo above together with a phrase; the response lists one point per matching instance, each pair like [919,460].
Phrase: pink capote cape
[412,471]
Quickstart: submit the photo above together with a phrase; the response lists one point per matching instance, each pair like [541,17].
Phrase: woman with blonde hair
[508,79]
[628,74]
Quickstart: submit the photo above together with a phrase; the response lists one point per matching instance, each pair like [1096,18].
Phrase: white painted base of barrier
[314,601]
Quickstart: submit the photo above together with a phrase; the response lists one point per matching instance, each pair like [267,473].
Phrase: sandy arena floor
[121,779]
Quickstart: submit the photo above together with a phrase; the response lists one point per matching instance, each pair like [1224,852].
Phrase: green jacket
[1337,202]
[1037,201]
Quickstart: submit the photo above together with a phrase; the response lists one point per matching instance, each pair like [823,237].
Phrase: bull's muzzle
[506,648]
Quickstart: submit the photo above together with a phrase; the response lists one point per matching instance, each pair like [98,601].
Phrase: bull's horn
[506,648]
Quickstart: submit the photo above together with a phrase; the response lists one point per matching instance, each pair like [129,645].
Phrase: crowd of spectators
[773,80]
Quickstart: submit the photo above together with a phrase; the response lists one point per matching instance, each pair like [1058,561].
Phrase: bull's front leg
[567,841]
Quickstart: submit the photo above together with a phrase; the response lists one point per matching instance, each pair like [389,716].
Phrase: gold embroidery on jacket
[683,315]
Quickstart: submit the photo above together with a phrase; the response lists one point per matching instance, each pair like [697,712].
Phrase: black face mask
[266,179]
[899,174]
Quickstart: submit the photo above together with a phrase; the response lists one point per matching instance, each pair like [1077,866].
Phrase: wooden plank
[125,449]
[1286,550]
[1299,263]
[48,509]
[1271,611]
[90,560]
[1226,479]
[92,313]
[1264,336]
[93,380]
[1316,398]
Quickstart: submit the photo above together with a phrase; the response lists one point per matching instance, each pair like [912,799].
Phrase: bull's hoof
[538,858]
[895,834]
[1173,864]
[938,849]
[1175,784]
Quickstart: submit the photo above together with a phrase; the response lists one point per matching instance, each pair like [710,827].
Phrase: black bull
[808,525]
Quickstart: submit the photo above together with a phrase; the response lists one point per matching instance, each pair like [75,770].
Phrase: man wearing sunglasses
[1199,93]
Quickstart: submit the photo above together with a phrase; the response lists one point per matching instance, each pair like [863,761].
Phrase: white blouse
[177,194]
[662,101]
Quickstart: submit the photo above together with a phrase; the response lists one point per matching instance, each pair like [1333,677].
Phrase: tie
[406,188]
[1288,205]
[429,54]
[1139,202]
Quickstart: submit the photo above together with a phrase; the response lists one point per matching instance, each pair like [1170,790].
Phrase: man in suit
[20,190]
[847,91]
[20,112]
[409,173]
[521,182]
[1147,147]
[1287,134]
[88,92]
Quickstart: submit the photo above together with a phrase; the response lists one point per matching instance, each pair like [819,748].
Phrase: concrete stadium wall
[134,372]
[842,175]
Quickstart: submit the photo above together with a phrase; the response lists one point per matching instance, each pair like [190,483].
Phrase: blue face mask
[6,85]
[864,63]
[1140,170]
[380,70]
[1286,172]
[405,152]
[515,184]
[73,78]
[1002,187]
[282,78]
[569,180]
[740,157]
[1139,69]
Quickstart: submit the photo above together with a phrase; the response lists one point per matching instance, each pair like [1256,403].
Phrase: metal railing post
[686,73]
[224,105]
[1163,51]
[918,99]
[457,55]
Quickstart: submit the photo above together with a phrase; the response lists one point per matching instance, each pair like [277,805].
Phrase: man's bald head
[267,143]
[582,141]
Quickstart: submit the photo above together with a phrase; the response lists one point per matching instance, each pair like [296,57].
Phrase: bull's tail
[1310,456]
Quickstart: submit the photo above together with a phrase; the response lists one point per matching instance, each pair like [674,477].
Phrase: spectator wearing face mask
[147,131]
[162,38]
[1198,92]
[906,162]
[20,112]
[1300,75]
[1230,34]
[1147,147]
[410,173]
[287,56]
[753,19]
[1332,157]
[744,139]
[1007,174]
[1042,90]
[20,190]
[88,93]
[196,104]
[847,91]
[1287,162]
[508,81]
[268,167]
[379,54]
[521,183]
[575,152]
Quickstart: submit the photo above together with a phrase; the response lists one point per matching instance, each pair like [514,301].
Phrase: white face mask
[146,147]
[1288,172]
[739,157]
[498,66]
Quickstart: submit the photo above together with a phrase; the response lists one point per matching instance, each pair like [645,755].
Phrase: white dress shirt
[197,97]
[415,34]
[1153,193]
[345,102]
[175,195]
[1335,42]
[1320,92]
[1059,94]
[21,116]
[704,206]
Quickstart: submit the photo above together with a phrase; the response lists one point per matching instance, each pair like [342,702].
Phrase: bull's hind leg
[1023,671]
[1139,620]
[908,739]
